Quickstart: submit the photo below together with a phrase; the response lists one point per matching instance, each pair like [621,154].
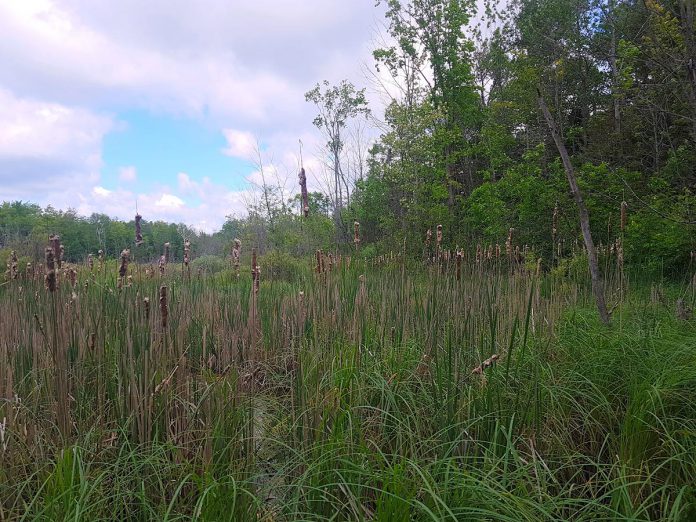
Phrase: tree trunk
[596,276]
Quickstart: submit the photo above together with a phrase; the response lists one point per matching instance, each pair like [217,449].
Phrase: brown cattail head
[30,271]
[90,262]
[554,223]
[439,236]
[236,253]
[162,264]
[255,271]
[303,190]
[72,276]
[624,215]
[14,271]
[146,306]
[187,252]
[166,253]
[54,240]
[138,229]
[319,261]
[428,238]
[125,257]
[356,234]
[459,265]
[50,270]
[164,308]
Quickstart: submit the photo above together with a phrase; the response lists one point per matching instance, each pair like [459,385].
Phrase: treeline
[25,228]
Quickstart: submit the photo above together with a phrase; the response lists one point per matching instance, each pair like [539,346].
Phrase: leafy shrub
[210,264]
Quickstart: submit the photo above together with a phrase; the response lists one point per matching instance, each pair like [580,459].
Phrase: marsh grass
[346,394]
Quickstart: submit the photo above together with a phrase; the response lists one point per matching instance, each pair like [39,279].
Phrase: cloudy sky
[103,103]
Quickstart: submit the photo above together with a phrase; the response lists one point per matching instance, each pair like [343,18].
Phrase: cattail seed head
[14,271]
[90,262]
[356,234]
[624,215]
[123,269]
[146,306]
[187,252]
[439,236]
[554,224]
[162,264]
[164,308]
[166,253]
[138,230]
[72,276]
[50,278]
[236,254]
[303,191]
[255,271]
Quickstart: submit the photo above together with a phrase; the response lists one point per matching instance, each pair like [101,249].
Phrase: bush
[210,264]
[281,266]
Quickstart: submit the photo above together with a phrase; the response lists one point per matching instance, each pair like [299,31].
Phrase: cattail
[459,265]
[50,279]
[72,276]
[554,224]
[14,272]
[303,190]
[146,306]
[331,261]
[187,252]
[538,267]
[508,243]
[624,215]
[236,254]
[428,238]
[125,255]
[162,263]
[164,310]
[356,234]
[100,254]
[54,240]
[166,253]
[90,262]
[255,271]
[138,230]
[439,237]
[320,263]
[30,271]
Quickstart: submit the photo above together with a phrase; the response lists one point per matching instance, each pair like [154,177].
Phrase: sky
[164,104]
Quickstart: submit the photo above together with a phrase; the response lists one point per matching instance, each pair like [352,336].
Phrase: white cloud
[170,201]
[101,192]
[240,144]
[127,174]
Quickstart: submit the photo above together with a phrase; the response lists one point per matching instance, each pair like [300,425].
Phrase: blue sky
[160,146]
[165,101]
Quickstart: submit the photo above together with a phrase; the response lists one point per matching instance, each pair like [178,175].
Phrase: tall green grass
[354,400]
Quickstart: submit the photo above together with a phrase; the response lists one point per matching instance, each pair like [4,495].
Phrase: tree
[336,106]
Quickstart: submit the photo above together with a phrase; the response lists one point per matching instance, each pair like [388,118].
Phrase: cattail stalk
[356,235]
